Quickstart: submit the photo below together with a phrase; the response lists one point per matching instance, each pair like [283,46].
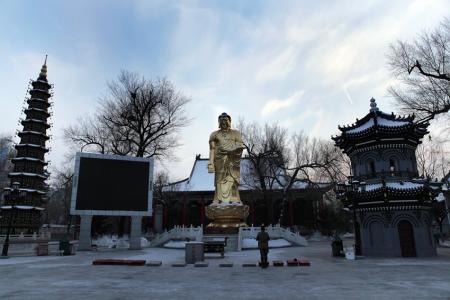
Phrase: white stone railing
[274,232]
[45,235]
[178,233]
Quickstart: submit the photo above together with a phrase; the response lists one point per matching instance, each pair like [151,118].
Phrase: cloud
[279,67]
[256,59]
[276,104]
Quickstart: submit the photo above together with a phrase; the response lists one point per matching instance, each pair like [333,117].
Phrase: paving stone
[226,264]
[154,263]
[201,264]
[249,264]
[388,276]
[179,264]
[278,263]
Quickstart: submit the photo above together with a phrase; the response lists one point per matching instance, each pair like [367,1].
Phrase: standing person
[263,245]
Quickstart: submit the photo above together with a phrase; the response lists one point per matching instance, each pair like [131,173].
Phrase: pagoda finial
[373,105]
[44,68]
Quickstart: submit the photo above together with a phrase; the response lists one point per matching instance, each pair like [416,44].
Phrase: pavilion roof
[395,192]
[378,127]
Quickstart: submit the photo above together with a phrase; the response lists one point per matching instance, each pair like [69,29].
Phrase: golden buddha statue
[226,148]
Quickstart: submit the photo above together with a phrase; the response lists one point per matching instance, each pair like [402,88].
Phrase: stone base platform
[227,216]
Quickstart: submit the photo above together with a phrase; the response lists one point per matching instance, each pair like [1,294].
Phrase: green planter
[65,247]
[337,248]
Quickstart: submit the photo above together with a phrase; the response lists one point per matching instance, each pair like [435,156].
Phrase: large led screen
[112,183]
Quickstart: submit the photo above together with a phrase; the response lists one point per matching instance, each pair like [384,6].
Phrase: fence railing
[274,231]
[25,237]
[178,233]
[196,233]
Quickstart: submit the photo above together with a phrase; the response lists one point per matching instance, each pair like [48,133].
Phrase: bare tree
[433,158]
[7,152]
[161,180]
[264,146]
[138,117]
[423,67]
[88,133]
[307,159]
[58,204]
[283,162]
[440,213]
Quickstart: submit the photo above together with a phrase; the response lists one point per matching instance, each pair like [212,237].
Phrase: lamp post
[351,189]
[13,195]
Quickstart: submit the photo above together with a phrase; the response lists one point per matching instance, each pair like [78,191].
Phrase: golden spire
[44,68]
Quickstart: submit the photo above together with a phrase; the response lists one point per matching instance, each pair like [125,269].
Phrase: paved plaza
[74,277]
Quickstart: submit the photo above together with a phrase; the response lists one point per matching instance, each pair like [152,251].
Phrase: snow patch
[175,244]
[114,242]
[381,122]
[440,197]
[348,235]
[391,123]
[405,185]
[363,127]
[444,244]
[318,237]
[253,243]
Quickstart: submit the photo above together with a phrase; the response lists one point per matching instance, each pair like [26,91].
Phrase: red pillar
[291,213]
[202,213]
[183,217]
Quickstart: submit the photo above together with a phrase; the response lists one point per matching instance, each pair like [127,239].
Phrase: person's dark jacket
[263,240]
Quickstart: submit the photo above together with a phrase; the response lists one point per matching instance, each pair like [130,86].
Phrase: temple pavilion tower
[391,206]
[29,170]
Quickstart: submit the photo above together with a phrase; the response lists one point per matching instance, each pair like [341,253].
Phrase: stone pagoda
[391,206]
[24,205]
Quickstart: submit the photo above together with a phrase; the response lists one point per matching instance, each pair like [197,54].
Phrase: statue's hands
[239,147]
[211,168]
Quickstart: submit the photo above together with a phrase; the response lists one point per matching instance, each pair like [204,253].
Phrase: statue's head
[224,121]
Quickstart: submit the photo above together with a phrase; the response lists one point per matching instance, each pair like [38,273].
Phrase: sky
[306,65]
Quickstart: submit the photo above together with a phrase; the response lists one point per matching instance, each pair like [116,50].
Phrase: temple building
[183,203]
[22,207]
[391,206]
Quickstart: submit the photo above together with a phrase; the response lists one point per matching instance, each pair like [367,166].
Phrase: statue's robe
[228,148]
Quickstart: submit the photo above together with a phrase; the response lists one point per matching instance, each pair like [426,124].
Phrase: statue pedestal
[227,215]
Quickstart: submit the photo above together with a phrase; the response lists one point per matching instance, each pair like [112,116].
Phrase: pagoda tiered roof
[44,122]
[32,146]
[31,99]
[28,174]
[394,193]
[45,112]
[41,81]
[380,129]
[30,157]
[28,190]
[43,135]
